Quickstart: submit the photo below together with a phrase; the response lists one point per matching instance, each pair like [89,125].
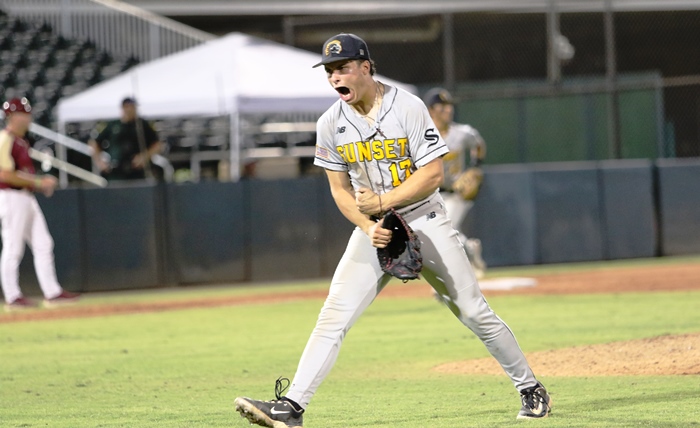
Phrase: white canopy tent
[233,75]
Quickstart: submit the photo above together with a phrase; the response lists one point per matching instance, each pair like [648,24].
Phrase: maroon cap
[17,105]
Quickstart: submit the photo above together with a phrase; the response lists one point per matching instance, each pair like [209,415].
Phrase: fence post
[553,64]
[288,30]
[662,150]
[154,38]
[448,50]
[611,82]
[66,19]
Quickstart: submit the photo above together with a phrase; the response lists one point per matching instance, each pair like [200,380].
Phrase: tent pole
[235,148]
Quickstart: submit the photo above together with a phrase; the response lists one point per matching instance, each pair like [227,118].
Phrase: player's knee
[12,254]
[331,325]
[45,247]
[330,331]
[480,322]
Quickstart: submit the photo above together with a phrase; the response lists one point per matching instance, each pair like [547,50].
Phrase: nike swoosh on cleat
[278,412]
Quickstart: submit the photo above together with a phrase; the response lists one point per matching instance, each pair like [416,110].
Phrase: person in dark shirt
[130,142]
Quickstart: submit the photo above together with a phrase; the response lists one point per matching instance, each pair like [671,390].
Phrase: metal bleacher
[44,61]
[38,64]
[52,49]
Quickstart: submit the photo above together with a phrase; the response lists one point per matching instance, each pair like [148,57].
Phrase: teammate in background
[463,141]
[130,142]
[381,150]
[21,219]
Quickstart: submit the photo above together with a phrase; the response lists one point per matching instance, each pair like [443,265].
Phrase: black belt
[375,218]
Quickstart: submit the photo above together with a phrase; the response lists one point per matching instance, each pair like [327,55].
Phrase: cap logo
[333,47]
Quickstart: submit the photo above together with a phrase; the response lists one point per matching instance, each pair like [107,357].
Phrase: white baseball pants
[358,279]
[22,222]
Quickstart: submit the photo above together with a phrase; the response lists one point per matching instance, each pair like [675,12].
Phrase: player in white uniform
[467,148]
[381,150]
[21,219]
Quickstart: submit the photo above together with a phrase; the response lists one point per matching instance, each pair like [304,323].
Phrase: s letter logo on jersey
[340,130]
[431,136]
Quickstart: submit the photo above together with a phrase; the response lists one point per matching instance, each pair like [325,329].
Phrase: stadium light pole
[553,60]
[448,51]
[611,82]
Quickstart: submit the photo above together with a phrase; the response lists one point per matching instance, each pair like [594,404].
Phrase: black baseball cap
[437,96]
[128,100]
[343,46]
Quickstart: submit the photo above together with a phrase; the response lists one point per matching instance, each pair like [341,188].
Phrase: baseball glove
[469,183]
[401,258]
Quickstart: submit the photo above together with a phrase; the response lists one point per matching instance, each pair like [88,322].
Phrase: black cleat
[279,413]
[536,403]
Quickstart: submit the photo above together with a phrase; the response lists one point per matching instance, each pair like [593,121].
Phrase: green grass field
[184,368]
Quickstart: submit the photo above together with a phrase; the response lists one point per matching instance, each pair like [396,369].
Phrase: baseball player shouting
[465,143]
[381,151]
[21,219]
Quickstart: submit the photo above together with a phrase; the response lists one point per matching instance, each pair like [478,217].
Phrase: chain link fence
[545,86]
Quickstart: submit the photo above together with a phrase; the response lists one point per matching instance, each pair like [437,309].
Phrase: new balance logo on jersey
[431,136]
[340,130]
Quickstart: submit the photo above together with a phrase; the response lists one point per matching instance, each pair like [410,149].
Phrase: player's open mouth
[344,92]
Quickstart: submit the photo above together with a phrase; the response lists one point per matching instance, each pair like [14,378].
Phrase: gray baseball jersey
[460,140]
[379,157]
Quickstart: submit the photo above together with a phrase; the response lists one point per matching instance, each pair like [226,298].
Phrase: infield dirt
[665,355]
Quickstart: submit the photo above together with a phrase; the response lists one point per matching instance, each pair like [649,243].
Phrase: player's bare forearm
[478,153]
[97,159]
[155,148]
[18,179]
[44,184]
[95,147]
[418,186]
[140,159]
[343,195]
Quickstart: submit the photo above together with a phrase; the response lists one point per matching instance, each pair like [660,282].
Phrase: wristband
[37,184]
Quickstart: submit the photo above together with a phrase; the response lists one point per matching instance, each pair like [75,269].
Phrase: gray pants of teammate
[457,210]
[358,280]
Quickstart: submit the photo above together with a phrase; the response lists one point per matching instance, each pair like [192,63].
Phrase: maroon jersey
[14,155]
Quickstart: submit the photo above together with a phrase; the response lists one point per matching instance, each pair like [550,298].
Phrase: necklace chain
[374,103]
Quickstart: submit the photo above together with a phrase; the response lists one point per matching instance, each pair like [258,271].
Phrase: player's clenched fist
[379,236]
[368,202]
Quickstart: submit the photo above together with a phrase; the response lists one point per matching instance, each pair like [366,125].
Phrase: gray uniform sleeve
[327,156]
[473,138]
